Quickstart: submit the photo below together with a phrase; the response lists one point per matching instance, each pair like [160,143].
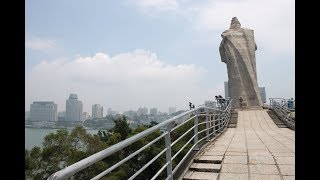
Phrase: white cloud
[272,21]
[122,82]
[41,44]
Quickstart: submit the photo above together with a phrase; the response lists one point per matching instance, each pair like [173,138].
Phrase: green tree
[122,127]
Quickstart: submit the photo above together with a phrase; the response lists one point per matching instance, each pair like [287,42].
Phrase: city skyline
[130,54]
[105,112]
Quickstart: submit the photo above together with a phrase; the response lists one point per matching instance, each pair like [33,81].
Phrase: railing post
[195,130]
[207,125]
[168,151]
[214,122]
[219,121]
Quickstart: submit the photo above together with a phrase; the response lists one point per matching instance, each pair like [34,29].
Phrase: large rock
[237,50]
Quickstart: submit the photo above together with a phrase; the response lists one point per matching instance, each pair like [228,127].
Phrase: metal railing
[278,105]
[215,121]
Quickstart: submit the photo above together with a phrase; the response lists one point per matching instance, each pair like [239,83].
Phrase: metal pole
[168,151]
[207,125]
[195,130]
[214,122]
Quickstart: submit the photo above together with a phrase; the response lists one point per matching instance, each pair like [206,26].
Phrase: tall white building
[97,111]
[172,110]
[153,111]
[73,108]
[43,111]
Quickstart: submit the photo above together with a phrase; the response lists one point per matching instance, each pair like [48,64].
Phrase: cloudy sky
[153,53]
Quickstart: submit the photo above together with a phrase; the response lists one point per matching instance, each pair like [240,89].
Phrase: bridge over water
[257,148]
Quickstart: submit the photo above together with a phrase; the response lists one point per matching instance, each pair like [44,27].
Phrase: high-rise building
[226,90]
[73,108]
[153,111]
[263,94]
[97,111]
[43,111]
[172,110]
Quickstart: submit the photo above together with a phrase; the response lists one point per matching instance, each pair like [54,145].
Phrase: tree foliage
[61,149]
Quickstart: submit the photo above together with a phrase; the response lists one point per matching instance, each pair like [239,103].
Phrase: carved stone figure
[237,50]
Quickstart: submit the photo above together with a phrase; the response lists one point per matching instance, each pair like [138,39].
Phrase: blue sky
[153,53]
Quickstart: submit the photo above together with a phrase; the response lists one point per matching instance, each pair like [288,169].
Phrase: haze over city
[130,54]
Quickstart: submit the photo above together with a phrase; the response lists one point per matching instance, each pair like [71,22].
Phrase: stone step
[232,125]
[194,175]
[208,159]
[205,167]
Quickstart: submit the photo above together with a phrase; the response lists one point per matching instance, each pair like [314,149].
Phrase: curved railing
[279,106]
[216,120]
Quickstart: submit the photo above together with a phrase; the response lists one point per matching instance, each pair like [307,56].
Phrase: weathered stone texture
[237,50]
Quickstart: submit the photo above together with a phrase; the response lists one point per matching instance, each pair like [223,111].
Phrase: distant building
[226,90]
[62,116]
[43,111]
[172,110]
[27,116]
[153,111]
[142,111]
[85,116]
[73,108]
[97,111]
[130,113]
[263,94]
[111,112]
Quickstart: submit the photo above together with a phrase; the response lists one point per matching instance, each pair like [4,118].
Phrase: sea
[35,136]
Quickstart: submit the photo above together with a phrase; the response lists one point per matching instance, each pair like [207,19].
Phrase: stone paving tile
[233,176]
[188,174]
[283,154]
[287,170]
[234,168]
[235,159]
[213,153]
[261,160]
[237,149]
[263,169]
[233,153]
[204,175]
[285,160]
[288,177]
[210,158]
[264,177]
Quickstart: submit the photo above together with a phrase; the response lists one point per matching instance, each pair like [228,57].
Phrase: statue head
[235,24]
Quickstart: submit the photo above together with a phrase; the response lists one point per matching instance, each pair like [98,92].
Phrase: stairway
[204,167]
[276,120]
[233,119]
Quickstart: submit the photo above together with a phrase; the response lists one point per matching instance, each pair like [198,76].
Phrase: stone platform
[256,149]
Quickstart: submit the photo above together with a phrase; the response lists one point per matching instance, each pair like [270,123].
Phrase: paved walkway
[257,150]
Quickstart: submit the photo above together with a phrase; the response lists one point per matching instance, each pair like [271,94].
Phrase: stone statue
[237,50]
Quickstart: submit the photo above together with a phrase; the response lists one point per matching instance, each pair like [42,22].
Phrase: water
[35,136]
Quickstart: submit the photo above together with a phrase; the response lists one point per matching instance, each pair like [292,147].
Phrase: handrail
[221,121]
[282,111]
